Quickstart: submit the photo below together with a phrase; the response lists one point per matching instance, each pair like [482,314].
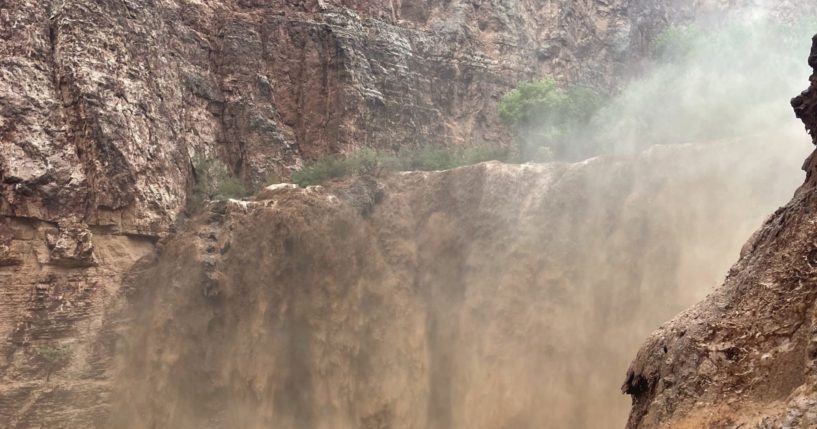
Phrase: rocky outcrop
[805,107]
[744,357]
[59,285]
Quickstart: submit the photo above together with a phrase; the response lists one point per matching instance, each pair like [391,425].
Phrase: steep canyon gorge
[494,295]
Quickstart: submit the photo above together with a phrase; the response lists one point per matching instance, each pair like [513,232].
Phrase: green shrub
[545,118]
[531,100]
[52,358]
[477,154]
[324,168]
[374,162]
[432,158]
[676,41]
[427,158]
[214,181]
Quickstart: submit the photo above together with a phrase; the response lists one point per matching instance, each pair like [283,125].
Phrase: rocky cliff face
[459,299]
[104,102]
[102,105]
[466,298]
[804,104]
[747,355]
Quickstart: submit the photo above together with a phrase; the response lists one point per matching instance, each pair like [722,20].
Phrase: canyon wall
[103,104]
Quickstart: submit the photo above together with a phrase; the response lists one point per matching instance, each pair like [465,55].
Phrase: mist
[490,296]
[723,77]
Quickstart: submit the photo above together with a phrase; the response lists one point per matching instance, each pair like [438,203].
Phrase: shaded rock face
[746,356]
[489,296]
[805,104]
[59,284]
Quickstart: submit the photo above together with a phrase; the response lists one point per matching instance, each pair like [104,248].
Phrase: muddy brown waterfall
[136,293]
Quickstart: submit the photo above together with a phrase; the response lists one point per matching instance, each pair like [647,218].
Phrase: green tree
[676,42]
[545,117]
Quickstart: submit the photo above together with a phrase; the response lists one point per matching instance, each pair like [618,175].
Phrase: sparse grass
[375,162]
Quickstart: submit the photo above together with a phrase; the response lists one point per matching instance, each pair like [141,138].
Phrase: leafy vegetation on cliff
[214,181]
[52,358]
[546,117]
[676,41]
[375,162]
[683,97]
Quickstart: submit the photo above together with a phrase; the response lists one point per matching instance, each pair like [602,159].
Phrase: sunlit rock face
[488,296]
[745,356]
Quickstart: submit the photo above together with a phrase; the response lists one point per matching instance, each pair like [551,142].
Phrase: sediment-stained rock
[58,288]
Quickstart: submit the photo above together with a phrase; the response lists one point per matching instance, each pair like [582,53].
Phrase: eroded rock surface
[747,355]
[59,286]
[102,103]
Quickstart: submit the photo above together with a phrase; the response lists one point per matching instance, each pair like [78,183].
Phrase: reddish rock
[104,102]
